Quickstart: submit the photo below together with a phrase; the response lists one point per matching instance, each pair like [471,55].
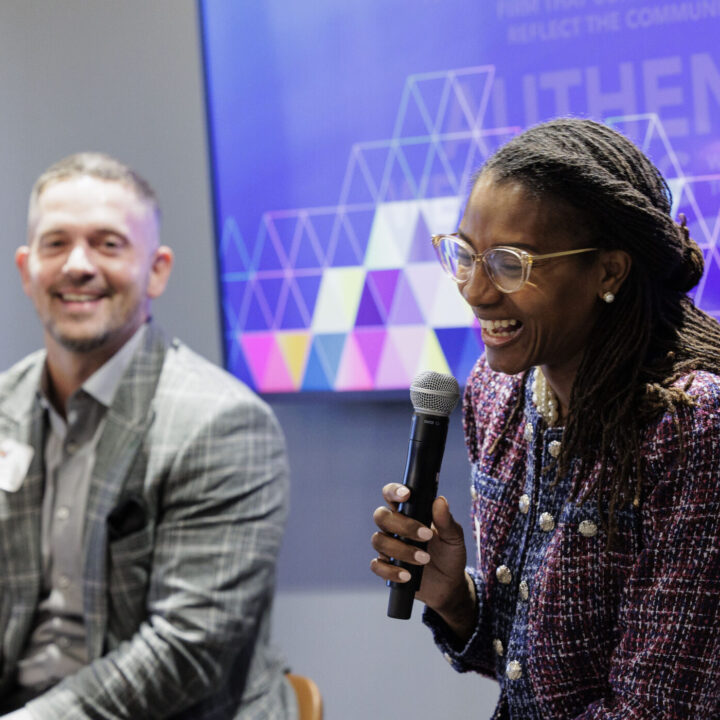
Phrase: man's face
[92,263]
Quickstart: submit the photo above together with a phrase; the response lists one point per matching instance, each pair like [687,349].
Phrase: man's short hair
[98,165]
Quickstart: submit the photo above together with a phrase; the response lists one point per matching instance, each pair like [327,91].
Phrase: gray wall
[125,77]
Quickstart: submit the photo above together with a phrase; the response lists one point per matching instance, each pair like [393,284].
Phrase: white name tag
[15,460]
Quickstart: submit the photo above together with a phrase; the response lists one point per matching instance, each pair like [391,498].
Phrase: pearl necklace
[544,398]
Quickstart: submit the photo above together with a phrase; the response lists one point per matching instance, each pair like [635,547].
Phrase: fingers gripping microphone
[433,396]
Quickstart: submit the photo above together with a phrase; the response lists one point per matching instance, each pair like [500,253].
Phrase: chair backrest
[308,697]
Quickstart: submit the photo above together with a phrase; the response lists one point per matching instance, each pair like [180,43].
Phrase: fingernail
[425,533]
[422,557]
[404,575]
[402,492]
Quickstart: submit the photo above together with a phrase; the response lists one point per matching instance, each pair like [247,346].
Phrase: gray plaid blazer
[185,516]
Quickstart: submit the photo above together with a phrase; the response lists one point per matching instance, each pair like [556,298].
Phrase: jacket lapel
[120,466]
[22,420]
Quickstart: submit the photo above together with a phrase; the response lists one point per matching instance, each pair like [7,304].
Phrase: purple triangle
[421,249]
[384,283]
[405,310]
[368,311]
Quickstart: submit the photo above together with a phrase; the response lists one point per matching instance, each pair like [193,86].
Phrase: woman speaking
[593,431]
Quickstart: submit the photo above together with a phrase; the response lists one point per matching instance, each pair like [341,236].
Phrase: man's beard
[79,345]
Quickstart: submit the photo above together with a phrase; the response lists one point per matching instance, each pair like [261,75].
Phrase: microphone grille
[434,393]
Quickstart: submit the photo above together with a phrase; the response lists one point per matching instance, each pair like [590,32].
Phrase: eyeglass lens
[504,266]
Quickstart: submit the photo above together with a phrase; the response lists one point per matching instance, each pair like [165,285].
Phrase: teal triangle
[330,349]
[315,377]
[405,310]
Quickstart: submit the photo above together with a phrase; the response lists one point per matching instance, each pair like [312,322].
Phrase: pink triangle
[270,374]
[353,372]
[405,309]
[277,377]
[257,347]
[391,374]
[410,342]
[370,343]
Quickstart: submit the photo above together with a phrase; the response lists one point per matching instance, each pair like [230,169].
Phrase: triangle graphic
[391,373]
[236,363]
[294,347]
[315,377]
[399,184]
[360,186]
[391,235]
[431,357]
[413,118]
[257,347]
[370,343]
[293,314]
[441,215]
[330,348]
[405,309]
[306,252]
[368,312]
[276,376]
[433,93]
[233,251]
[308,286]
[266,252]
[257,314]
[338,300]
[383,284]
[421,249]
[353,373]
[345,250]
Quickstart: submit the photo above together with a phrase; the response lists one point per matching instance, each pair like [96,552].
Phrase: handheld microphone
[434,396]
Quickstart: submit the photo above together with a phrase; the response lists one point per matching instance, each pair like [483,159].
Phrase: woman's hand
[445,587]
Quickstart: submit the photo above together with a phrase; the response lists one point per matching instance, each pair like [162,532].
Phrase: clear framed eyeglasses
[507,267]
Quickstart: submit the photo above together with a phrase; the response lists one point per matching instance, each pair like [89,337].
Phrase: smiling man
[142,490]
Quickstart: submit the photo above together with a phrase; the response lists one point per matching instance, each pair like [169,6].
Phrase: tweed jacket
[570,628]
[185,515]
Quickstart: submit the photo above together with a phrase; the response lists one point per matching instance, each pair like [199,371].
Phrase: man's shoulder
[187,373]
[21,380]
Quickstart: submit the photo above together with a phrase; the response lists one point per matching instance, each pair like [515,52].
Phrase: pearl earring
[608,297]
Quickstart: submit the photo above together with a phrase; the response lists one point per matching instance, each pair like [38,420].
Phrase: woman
[593,430]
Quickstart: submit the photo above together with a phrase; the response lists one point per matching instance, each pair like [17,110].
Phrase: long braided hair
[652,334]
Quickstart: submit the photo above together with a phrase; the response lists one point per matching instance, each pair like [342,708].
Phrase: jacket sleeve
[667,663]
[220,522]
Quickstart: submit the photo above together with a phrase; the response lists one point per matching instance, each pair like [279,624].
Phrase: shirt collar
[104,382]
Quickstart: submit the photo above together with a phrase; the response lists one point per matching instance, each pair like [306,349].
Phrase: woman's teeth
[499,327]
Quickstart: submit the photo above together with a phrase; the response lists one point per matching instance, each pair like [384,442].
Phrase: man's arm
[220,524]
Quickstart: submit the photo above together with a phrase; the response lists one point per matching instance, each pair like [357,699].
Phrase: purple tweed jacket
[572,630]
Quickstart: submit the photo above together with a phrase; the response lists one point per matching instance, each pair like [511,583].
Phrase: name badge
[15,460]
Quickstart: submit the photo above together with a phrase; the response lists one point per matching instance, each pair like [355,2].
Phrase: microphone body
[428,433]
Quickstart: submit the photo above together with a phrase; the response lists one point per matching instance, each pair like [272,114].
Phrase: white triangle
[391,235]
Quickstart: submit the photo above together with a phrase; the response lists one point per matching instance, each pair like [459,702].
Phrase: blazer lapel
[22,419]
[120,466]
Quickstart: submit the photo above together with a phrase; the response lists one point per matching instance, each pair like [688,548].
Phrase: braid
[652,334]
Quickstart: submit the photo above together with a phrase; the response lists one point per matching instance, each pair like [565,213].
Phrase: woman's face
[548,321]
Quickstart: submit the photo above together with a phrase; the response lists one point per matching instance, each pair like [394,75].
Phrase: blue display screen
[344,134]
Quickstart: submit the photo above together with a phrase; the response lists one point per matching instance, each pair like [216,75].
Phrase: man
[142,490]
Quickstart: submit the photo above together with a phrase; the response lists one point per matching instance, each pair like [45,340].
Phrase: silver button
[588,528]
[524,504]
[64,581]
[528,432]
[62,513]
[554,448]
[503,575]
[513,670]
[547,522]
[499,650]
[524,591]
